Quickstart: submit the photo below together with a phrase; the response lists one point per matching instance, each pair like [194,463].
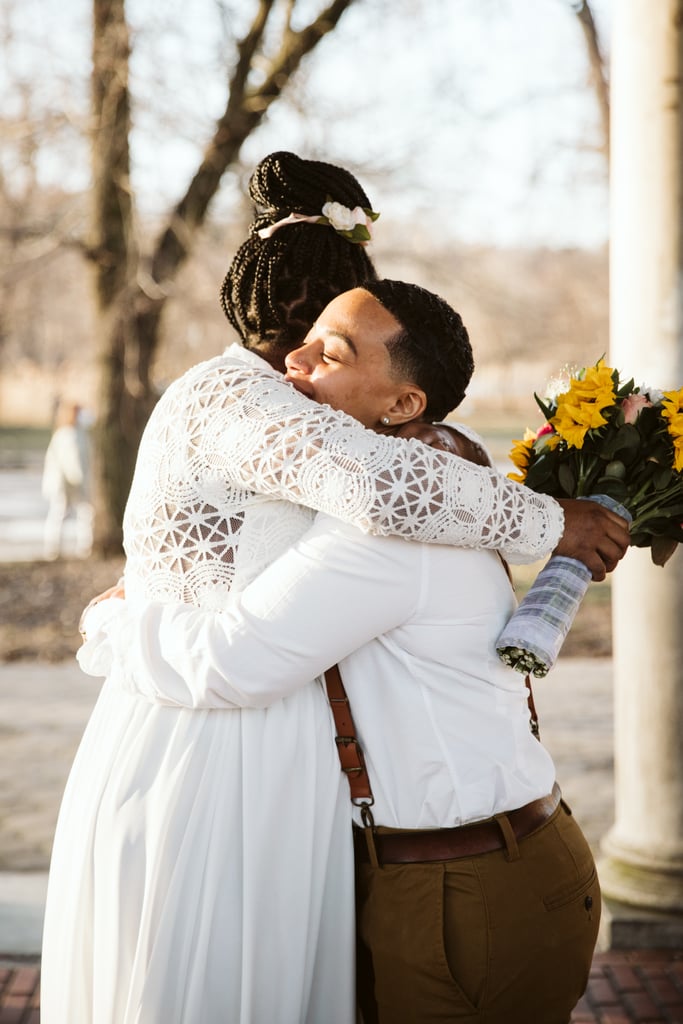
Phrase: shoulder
[233,373]
[472,444]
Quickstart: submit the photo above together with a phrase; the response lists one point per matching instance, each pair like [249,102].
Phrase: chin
[303,389]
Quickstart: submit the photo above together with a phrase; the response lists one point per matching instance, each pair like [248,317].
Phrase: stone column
[642,872]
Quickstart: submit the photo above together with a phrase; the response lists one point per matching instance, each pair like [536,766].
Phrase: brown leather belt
[412,846]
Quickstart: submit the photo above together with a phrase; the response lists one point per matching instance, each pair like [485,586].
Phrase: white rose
[340,217]
[654,394]
[360,216]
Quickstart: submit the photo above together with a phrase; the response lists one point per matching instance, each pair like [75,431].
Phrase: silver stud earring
[386,421]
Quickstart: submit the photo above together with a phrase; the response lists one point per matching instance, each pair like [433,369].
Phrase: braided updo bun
[276,287]
[432,349]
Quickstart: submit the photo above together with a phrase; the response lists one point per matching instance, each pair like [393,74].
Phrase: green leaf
[625,438]
[611,486]
[547,410]
[567,479]
[662,549]
[543,464]
[359,234]
[626,389]
[662,477]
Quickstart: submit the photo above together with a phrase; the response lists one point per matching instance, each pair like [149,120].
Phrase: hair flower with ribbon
[355,224]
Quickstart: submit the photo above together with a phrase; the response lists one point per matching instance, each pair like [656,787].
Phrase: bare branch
[249,45]
[598,68]
[295,45]
[245,109]
[289,11]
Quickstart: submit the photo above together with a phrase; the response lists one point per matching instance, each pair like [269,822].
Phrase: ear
[409,405]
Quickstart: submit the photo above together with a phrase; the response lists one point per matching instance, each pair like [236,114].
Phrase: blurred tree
[144,280]
[598,68]
[132,290]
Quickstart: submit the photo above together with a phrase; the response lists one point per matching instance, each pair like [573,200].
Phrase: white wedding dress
[202,866]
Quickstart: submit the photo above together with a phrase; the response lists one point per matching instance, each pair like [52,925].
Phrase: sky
[471,117]
[481,109]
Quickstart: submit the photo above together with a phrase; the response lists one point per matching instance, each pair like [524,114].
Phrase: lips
[301,386]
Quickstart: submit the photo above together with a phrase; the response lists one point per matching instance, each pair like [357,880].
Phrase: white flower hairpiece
[353,224]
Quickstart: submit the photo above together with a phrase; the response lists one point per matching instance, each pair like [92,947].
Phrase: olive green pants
[501,938]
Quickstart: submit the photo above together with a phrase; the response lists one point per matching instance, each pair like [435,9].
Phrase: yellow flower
[673,412]
[673,403]
[678,454]
[520,454]
[580,409]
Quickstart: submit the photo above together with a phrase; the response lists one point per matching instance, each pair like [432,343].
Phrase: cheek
[332,387]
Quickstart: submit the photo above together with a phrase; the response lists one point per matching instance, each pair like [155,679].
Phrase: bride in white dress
[202,866]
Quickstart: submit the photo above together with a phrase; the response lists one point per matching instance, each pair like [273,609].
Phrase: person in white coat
[66,483]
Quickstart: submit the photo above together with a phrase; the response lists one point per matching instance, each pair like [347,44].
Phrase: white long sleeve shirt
[444,725]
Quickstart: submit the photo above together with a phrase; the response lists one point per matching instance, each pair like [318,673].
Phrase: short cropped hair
[432,349]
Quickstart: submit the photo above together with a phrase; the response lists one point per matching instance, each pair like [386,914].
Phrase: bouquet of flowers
[612,442]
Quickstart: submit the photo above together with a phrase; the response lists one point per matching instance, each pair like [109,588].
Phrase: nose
[301,359]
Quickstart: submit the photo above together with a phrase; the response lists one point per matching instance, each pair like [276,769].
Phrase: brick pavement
[19,993]
[643,987]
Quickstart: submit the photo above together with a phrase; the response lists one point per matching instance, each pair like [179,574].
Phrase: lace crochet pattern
[233,460]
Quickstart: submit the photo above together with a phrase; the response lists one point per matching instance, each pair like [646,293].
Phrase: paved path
[22,516]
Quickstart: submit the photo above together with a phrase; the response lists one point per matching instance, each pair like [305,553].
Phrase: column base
[625,927]
[640,879]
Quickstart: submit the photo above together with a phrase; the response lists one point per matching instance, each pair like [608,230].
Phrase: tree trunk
[131,313]
[112,250]
[123,412]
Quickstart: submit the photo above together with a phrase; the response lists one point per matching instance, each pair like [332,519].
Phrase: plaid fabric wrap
[531,641]
[540,624]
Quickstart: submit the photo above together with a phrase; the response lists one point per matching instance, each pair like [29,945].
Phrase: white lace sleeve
[263,435]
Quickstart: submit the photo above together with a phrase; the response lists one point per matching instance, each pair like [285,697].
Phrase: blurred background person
[66,482]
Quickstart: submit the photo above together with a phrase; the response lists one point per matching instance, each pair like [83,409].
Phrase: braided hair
[276,287]
[432,349]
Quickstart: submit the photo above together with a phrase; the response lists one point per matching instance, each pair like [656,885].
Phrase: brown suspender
[349,749]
